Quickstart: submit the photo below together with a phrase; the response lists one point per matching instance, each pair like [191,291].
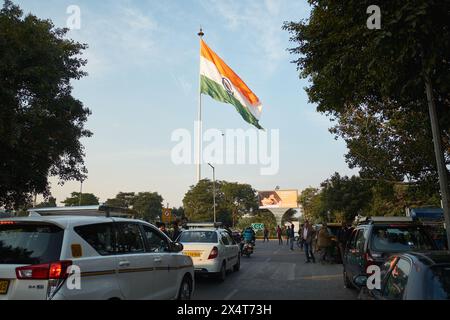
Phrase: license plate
[194,254]
[4,284]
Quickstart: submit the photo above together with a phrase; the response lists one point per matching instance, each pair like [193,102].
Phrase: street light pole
[81,192]
[214,190]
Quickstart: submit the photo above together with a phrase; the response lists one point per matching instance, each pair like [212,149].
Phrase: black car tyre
[222,273]
[237,266]
[347,283]
[185,291]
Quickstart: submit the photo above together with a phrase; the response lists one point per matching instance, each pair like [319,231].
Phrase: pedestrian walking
[308,236]
[279,235]
[300,238]
[342,236]
[266,234]
[288,232]
[324,242]
[291,237]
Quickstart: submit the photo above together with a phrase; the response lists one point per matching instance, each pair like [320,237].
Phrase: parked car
[118,258]
[375,239]
[412,276]
[213,251]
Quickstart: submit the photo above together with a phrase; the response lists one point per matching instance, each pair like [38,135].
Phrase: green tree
[87,199]
[372,82]
[50,203]
[308,201]
[122,200]
[198,201]
[178,212]
[238,199]
[41,123]
[148,205]
[260,216]
[345,197]
[232,201]
[289,216]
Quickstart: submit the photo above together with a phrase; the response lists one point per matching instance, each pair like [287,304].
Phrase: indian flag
[222,84]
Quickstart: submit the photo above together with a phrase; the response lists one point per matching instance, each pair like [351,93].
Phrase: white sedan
[213,251]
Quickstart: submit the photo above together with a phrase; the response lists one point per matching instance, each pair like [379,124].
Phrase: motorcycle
[247,248]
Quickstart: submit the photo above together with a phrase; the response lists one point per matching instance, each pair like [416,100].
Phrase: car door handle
[124,263]
[157,259]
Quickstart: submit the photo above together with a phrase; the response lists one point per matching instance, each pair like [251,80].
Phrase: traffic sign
[166,216]
[258,226]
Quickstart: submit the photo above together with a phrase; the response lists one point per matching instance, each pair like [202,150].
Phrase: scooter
[247,249]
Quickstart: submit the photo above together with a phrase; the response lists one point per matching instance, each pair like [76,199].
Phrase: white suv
[113,258]
[213,251]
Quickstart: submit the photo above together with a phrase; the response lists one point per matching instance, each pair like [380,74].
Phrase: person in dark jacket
[266,234]
[176,231]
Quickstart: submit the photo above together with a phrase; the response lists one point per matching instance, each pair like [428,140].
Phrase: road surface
[274,272]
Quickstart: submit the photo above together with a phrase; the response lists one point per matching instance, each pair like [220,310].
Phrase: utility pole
[81,192]
[440,160]
[214,190]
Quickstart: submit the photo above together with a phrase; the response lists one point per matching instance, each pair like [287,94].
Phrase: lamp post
[81,192]
[214,190]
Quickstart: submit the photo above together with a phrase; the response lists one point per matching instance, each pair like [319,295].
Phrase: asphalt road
[274,272]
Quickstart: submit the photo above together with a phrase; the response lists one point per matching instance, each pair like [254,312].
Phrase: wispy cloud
[262,22]
[123,34]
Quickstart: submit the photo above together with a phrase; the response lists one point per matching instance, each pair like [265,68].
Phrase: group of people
[173,234]
[315,241]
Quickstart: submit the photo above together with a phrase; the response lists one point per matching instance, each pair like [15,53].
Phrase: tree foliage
[260,216]
[148,205]
[87,199]
[371,82]
[342,198]
[50,203]
[41,123]
[122,200]
[233,200]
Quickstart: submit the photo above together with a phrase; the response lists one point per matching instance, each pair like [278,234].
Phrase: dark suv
[375,239]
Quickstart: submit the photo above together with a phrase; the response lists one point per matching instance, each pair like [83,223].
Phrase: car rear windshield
[400,239]
[30,243]
[439,284]
[199,236]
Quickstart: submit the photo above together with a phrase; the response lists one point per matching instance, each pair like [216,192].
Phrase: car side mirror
[176,247]
[360,281]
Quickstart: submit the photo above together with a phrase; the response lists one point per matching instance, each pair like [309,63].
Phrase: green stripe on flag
[217,92]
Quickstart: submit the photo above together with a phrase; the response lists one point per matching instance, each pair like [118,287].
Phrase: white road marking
[232,293]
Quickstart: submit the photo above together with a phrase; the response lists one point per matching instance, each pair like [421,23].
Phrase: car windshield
[29,243]
[439,284]
[400,239]
[199,236]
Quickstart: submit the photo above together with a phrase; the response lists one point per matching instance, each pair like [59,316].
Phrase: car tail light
[214,253]
[47,271]
[55,272]
[7,223]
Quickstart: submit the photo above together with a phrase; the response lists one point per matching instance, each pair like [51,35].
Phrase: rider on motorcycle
[249,235]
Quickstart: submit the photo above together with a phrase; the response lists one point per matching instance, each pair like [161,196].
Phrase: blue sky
[143,84]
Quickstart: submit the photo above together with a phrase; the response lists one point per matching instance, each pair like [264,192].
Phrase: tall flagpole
[199,123]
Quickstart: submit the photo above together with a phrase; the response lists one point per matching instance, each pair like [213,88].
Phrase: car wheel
[222,273]
[185,289]
[347,283]
[237,266]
